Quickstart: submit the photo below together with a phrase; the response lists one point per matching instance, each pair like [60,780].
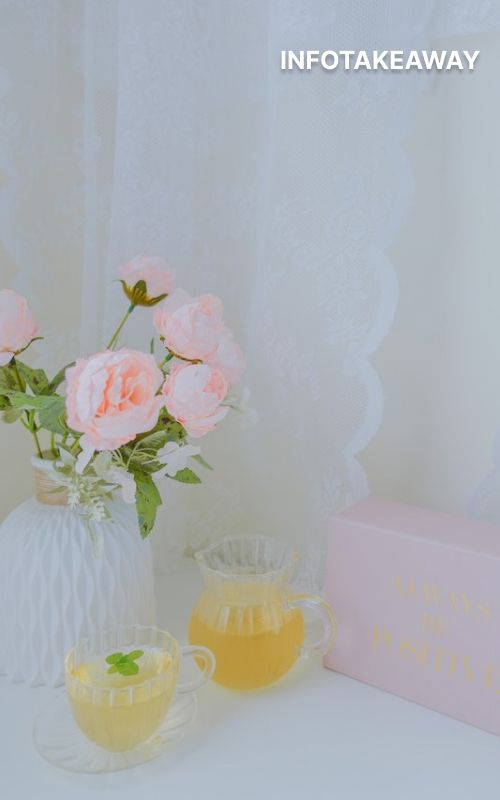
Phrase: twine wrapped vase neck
[47,491]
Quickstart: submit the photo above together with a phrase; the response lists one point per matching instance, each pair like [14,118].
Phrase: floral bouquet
[125,417]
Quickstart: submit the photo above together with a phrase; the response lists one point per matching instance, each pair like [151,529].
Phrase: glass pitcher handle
[327,617]
[206,662]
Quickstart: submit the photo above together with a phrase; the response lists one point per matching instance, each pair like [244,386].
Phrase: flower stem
[30,422]
[116,334]
[172,354]
[165,361]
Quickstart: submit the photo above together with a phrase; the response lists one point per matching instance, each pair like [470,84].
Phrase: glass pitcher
[247,614]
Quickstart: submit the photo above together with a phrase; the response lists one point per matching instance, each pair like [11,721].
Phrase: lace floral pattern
[282,192]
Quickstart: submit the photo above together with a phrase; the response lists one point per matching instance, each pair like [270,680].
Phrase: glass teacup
[248,615]
[120,683]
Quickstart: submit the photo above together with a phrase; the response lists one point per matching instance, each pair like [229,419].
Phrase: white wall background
[438,364]
[305,201]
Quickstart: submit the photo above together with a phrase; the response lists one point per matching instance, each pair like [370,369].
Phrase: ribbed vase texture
[54,590]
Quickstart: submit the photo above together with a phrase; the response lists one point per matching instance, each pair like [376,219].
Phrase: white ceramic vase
[54,590]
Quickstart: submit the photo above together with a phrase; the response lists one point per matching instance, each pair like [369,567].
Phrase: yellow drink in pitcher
[119,711]
[255,638]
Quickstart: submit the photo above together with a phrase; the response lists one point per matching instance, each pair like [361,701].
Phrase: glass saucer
[59,740]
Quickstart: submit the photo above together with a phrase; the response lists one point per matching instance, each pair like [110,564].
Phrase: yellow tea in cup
[119,711]
[120,683]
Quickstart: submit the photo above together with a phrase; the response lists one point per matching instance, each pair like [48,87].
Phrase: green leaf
[51,417]
[124,663]
[135,654]
[152,466]
[51,409]
[147,500]
[59,378]
[114,658]
[186,476]
[202,461]
[27,401]
[143,463]
[148,468]
[7,379]
[35,378]
[152,346]
[153,441]
[10,414]
[8,384]
[175,431]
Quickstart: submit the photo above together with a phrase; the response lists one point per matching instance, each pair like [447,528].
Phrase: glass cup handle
[327,617]
[204,655]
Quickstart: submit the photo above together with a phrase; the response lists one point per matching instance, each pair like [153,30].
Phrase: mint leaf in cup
[128,668]
[123,663]
[135,654]
[114,658]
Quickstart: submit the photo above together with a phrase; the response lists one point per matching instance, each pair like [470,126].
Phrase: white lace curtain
[166,126]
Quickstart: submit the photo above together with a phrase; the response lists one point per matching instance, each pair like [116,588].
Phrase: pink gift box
[416,594]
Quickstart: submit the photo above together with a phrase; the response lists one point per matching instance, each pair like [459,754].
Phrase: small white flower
[102,463]
[107,471]
[66,459]
[83,459]
[124,479]
[175,456]
[73,497]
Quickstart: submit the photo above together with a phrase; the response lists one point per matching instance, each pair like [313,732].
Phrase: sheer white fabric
[166,126]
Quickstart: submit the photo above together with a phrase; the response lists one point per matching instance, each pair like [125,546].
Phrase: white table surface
[315,735]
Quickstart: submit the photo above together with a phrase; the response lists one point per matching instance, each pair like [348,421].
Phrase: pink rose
[227,357]
[111,397]
[153,270]
[193,394]
[17,325]
[190,326]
